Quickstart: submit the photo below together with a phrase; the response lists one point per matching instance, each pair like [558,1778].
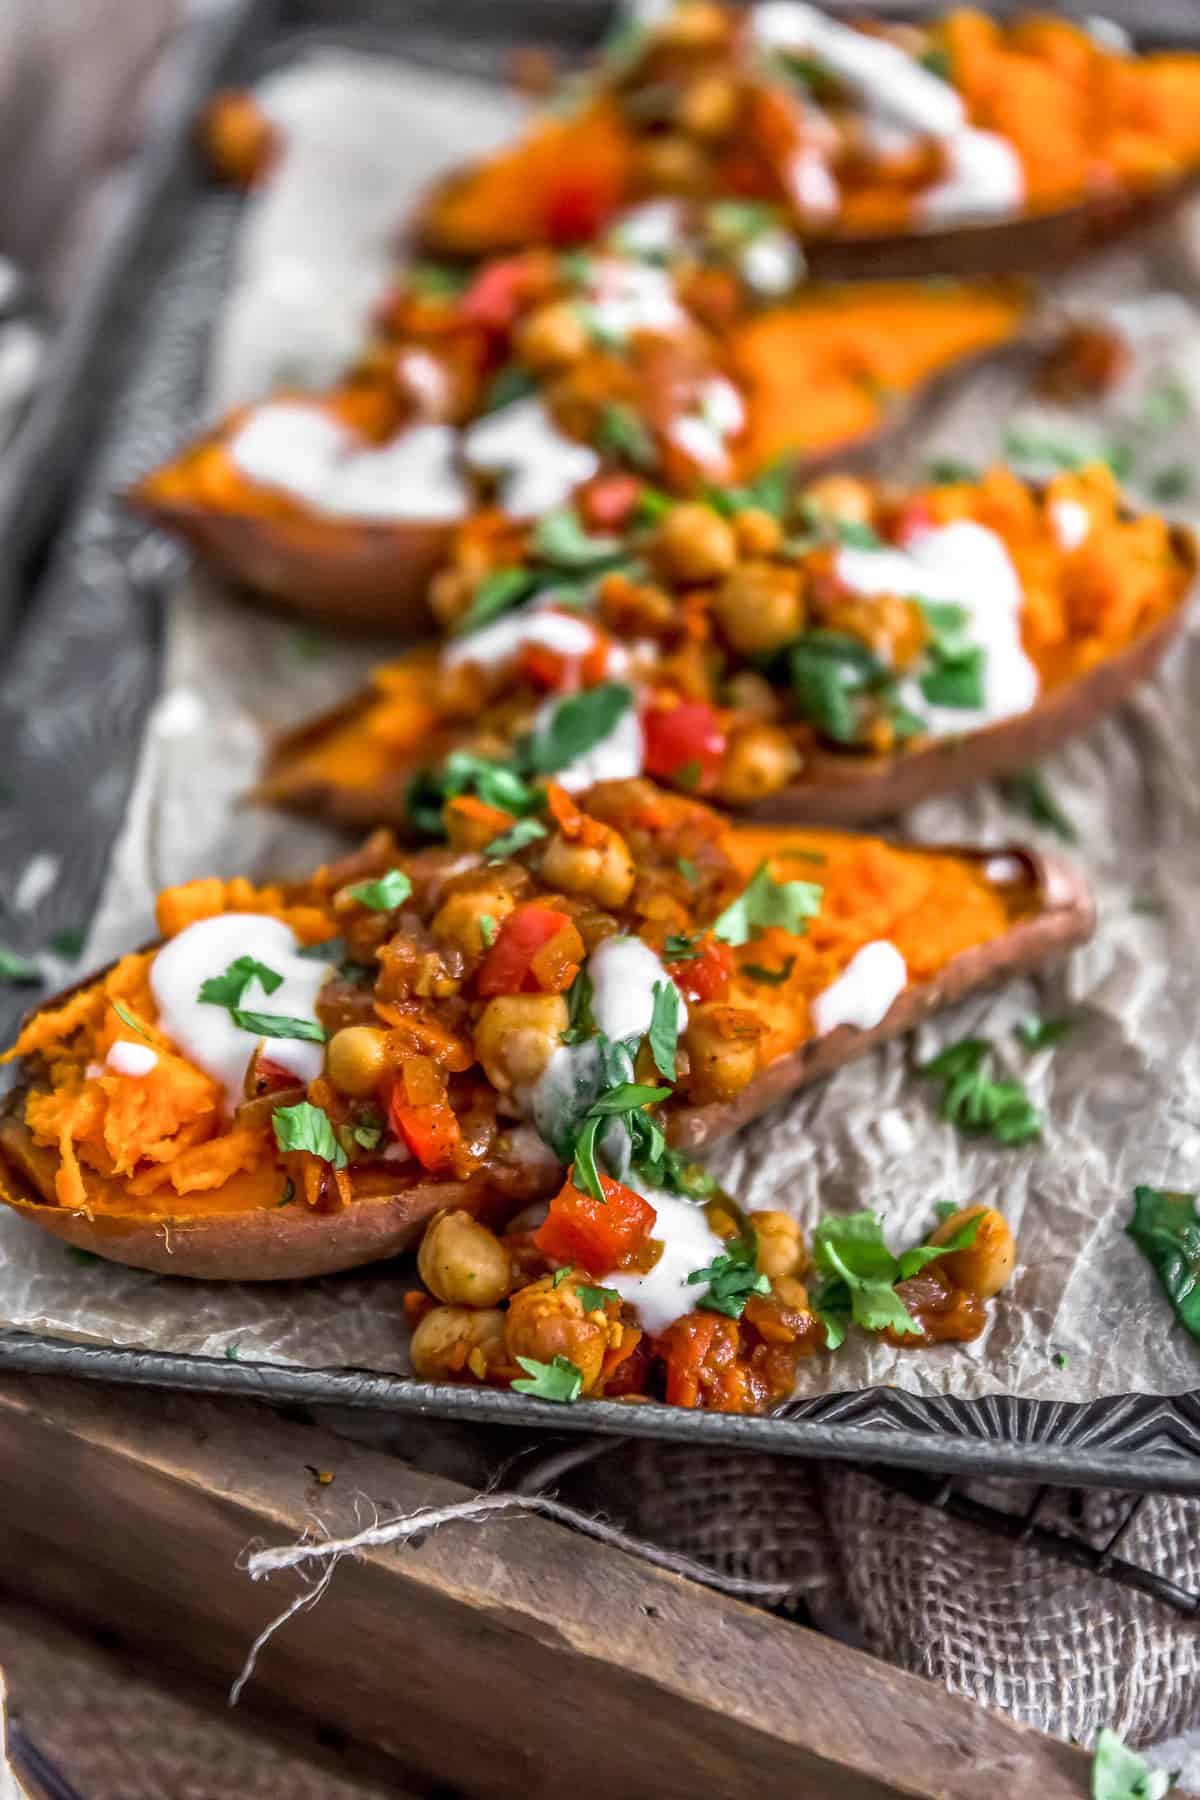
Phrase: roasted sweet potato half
[959,146]
[525,385]
[293,1080]
[836,655]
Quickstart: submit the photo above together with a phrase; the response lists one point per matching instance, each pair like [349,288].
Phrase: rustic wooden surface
[498,1657]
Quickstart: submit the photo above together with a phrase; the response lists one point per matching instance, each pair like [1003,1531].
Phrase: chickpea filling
[861,129]
[765,639]
[551,989]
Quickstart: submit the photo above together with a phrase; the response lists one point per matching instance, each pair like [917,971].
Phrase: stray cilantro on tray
[594,1299]
[1041,1034]
[858,1274]
[1166,1229]
[20,970]
[126,1017]
[976,1102]
[1027,793]
[559,1380]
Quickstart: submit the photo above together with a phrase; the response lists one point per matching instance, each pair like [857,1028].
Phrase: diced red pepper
[684,744]
[580,208]
[506,969]
[494,298]
[707,976]
[595,1237]
[607,502]
[432,1133]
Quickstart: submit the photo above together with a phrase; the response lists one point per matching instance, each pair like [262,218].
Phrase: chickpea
[356,1060]
[544,1321]
[516,1036]
[760,606]
[672,165]
[722,1047]
[603,871]
[843,497]
[985,1264]
[758,533]
[759,760]
[553,337]
[694,543]
[708,107]
[781,1249]
[462,1262]
[458,922]
[454,1342]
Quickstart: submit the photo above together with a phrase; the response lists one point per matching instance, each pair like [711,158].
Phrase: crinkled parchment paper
[1083,1318]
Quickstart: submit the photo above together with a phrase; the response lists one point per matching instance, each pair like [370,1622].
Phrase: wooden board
[501,1657]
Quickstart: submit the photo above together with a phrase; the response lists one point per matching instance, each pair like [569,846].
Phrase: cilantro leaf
[731,1278]
[627,1096]
[829,672]
[519,837]
[681,946]
[769,977]
[1166,1229]
[559,1380]
[764,902]
[947,470]
[1119,1773]
[22,971]
[576,726]
[584,1173]
[510,383]
[560,1275]
[497,783]
[954,680]
[561,540]
[1039,1034]
[488,930]
[849,1250]
[277,1025]
[126,1017]
[69,942]
[663,1035]
[330,950]
[1172,483]
[307,1127]
[595,1298]
[497,594]
[976,1103]
[1027,793]
[580,1023]
[620,432]
[227,989]
[367,1133]
[688,870]
[384,893]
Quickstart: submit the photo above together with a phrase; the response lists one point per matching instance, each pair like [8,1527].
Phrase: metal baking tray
[89,582]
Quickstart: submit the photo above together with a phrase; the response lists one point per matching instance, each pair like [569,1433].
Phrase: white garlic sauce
[689,1243]
[318,460]
[623,972]
[125,1058]
[984,176]
[704,433]
[1070,522]
[500,642]
[205,1033]
[617,757]
[538,467]
[966,565]
[654,229]
[864,992]
[623,297]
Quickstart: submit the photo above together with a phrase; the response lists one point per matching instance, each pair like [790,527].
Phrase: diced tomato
[707,976]
[607,502]
[580,208]
[506,969]
[916,516]
[494,297]
[684,744]
[431,1132]
[579,1230]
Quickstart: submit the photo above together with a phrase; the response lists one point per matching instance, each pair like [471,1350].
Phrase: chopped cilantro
[496,594]
[764,902]
[623,434]
[740,221]
[68,943]
[510,383]
[519,837]
[769,492]
[330,950]
[277,1025]
[383,894]
[1166,1229]
[289,1192]
[595,1298]
[859,1274]
[976,1103]
[1059,1359]
[558,1380]
[680,947]
[307,1127]
[22,971]
[1027,793]
[127,1018]
[1040,1034]
[487,930]
[576,726]
[829,672]
[947,470]
[689,775]
[1172,483]
[937,60]
[367,1133]
[663,1035]
[232,1352]
[437,281]
[560,1275]
[855,534]
[561,540]
[580,1023]
[688,870]
[80,1255]
[769,977]
[954,681]
[731,1278]
[627,1096]
[945,1209]
[228,989]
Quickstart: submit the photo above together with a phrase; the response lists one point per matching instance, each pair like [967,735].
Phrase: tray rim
[1106,1443]
[1133,1441]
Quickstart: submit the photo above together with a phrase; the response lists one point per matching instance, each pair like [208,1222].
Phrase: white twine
[326,1552]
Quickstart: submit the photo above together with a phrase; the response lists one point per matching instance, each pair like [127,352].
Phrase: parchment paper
[1083,1317]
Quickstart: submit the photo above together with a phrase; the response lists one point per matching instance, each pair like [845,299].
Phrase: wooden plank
[501,1657]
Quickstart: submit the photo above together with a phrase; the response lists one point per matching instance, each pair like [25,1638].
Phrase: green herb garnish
[769,977]
[560,1275]
[1166,1229]
[859,1274]
[580,1023]
[954,681]
[621,433]
[976,1103]
[688,870]
[127,1018]
[1172,483]
[559,1380]
[228,989]
[830,671]
[510,383]
[330,950]
[576,726]
[383,894]
[1027,793]
[764,902]
[289,1192]
[947,470]
[22,971]
[277,1025]
[731,1278]
[595,1298]
[519,837]
[1040,1034]
[307,1127]
[367,1133]
[68,943]
[561,540]
[663,1035]
[680,946]
[488,929]
[496,594]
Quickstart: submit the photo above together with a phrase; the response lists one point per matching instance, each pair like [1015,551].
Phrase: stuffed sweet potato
[958,145]
[524,384]
[295,1079]
[836,655]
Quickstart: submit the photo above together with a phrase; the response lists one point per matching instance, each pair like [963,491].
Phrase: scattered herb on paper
[859,1274]
[976,1102]
[730,1279]
[1166,1229]
[20,970]
[1040,1034]
[1027,793]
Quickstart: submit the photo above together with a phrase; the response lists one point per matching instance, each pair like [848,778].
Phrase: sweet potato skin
[293,1243]
[364,576]
[1063,916]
